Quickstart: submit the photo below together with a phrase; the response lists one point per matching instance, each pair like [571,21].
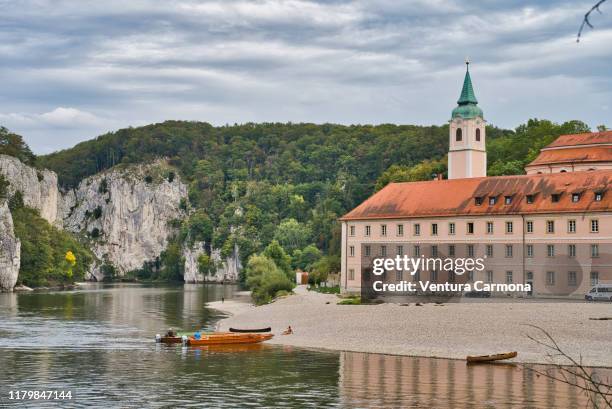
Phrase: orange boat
[225,338]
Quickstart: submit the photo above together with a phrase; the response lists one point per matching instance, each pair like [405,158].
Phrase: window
[572,279]
[417,276]
[471,275]
[489,227]
[451,250]
[594,226]
[352,251]
[550,278]
[367,250]
[459,135]
[555,197]
[507,200]
[508,277]
[529,199]
[399,276]
[434,275]
[571,250]
[550,226]
[417,251]
[434,251]
[598,196]
[451,228]
[470,228]
[489,276]
[594,278]
[351,274]
[550,250]
[571,226]
[575,197]
[368,230]
[470,250]
[383,230]
[352,230]
[383,251]
[594,250]
[434,229]
[509,227]
[529,275]
[492,200]
[477,134]
[529,226]
[417,229]
[508,250]
[478,201]
[529,250]
[400,250]
[489,250]
[400,229]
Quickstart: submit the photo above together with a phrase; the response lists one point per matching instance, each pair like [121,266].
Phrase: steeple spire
[467,103]
[467,92]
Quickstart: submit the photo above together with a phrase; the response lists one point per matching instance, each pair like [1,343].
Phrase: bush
[265,279]
[95,233]
[351,301]
[148,179]
[103,188]
[97,212]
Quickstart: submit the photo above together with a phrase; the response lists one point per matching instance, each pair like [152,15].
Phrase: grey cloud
[224,61]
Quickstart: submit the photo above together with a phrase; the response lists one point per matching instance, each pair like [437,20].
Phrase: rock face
[126,211]
[10,250]
[227,270]
[38,187]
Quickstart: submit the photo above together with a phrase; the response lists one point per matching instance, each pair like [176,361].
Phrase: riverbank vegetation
[49,256]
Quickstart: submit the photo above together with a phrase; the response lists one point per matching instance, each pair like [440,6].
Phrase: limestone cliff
[126,211]
[10,250]
[38,187]
[227,270]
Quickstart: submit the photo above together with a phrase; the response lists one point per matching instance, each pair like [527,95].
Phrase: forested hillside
[258,182]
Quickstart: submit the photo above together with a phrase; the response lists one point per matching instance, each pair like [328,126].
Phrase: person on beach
[170,333]
[197,335]
[288,331]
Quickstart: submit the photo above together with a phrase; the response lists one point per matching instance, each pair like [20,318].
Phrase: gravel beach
[451,330]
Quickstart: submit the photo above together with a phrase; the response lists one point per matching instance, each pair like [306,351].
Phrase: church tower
[467,156]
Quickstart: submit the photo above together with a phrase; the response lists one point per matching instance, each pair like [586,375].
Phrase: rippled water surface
[98,342]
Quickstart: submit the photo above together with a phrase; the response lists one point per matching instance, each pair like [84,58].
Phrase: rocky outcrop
[127,213]
[227,270]
[190,254]
[10,250]
[38,187]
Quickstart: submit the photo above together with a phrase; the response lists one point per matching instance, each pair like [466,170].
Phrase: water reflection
[370,380]
[98,341]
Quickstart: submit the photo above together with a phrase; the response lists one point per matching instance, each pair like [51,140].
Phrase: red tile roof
[574,155]
[456,197]
[590,138]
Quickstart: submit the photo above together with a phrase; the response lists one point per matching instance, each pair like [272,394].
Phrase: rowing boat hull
[491,358]
[228,338]
[238,330]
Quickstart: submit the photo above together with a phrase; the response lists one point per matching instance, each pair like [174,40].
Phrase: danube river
[98,343]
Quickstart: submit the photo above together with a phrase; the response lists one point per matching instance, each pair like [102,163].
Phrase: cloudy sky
[73,69]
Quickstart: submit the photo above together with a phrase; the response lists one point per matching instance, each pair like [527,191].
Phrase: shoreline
[449,331]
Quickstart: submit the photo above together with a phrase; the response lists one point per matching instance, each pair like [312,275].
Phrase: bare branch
[586,21]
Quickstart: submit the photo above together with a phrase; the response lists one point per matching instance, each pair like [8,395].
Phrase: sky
[72,70]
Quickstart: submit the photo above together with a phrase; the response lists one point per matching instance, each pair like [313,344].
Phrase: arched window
[563,171]
[478,135]
[458,136]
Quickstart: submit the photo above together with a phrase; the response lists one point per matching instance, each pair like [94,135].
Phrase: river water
[98,343]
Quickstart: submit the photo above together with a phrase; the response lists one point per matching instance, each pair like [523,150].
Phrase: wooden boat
[170,340]
[268,329]
[491,358]
[226,338]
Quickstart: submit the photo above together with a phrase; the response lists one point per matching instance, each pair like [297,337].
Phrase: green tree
[265,279]
[13,145]
[292,235]
[275,252]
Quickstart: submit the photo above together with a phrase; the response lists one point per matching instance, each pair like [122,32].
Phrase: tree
[4,184]
[205,264]
[13,145]
[292,235]
[275,252]
[305,258]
